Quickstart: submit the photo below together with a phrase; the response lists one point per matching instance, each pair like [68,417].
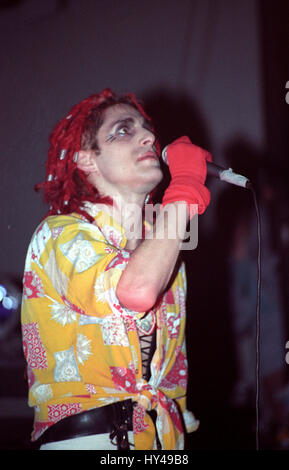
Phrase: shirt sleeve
[85,269]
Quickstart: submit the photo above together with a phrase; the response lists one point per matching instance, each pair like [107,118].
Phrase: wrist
[194,195]
[174,216]
[187,178]
[189,209]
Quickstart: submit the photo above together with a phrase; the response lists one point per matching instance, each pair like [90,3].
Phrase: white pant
[94,442]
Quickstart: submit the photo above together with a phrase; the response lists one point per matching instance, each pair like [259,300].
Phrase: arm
[149,270]
[152,263]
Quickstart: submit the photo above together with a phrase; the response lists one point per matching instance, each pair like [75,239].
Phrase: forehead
[118,112]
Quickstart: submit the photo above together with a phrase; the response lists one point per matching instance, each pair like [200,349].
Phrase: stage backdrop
[199,60]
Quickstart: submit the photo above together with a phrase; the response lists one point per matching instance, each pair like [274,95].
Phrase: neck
[127,211]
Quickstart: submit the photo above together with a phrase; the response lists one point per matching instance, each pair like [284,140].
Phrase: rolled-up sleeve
[85,269]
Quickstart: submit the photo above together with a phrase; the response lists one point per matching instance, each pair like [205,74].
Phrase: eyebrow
[122,121]
[130,120]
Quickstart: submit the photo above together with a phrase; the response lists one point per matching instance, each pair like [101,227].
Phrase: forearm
[152,263]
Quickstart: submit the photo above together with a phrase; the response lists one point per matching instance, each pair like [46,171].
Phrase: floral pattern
[32,285]
[82,347]
[56,231]
[124,378]
[66,369]
[57,412]
[139,425]
[114,331]
[178,374]
[63,313]
[80,252]
[33,347]
[42,392]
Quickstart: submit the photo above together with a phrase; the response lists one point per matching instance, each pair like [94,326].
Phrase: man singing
[103,313]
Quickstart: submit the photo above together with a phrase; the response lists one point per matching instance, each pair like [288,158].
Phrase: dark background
[215,70]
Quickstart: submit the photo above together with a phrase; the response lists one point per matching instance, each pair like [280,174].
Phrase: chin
[154,180]
[145,182]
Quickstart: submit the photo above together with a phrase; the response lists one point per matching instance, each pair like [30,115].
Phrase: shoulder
[61,227]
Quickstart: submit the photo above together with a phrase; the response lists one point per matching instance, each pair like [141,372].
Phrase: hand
[187,159]
[187,165]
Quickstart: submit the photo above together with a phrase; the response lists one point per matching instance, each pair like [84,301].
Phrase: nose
[147,138]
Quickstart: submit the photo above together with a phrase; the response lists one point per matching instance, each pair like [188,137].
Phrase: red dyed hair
[66,186]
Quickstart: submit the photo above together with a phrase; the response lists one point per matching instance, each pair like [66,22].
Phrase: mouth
[148,156]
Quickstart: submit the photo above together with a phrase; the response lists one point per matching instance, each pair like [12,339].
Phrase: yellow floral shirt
[82,347]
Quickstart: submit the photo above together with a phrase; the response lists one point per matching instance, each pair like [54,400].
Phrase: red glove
[187,164]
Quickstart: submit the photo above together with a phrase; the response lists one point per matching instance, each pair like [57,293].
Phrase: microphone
[223,174]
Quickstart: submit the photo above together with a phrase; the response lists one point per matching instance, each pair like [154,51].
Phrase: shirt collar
[112,231]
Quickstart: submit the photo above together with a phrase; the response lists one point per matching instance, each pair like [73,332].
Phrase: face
[127,160]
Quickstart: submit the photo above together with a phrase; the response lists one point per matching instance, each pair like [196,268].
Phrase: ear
[86,161]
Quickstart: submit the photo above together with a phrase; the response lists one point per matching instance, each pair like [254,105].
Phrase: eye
[123,130]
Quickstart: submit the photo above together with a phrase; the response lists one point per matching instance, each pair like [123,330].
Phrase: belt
[115,419]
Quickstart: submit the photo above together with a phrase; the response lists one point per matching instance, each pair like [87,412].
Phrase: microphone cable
[230,177]
[258,220]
